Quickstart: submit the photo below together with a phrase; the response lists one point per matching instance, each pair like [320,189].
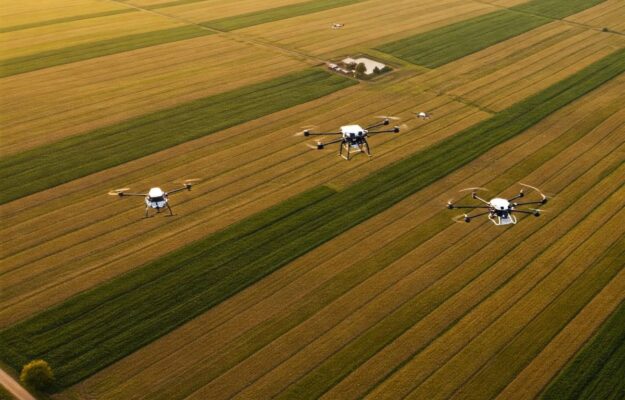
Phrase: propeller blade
[388,117]
[185,181]
[474,189]
[116,192]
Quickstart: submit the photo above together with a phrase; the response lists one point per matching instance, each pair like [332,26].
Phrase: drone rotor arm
[529,202]
[333,141]
[470,217]
[463,206]
[394,130]
[377,125]
[186,187]
[323,133]
[122,194]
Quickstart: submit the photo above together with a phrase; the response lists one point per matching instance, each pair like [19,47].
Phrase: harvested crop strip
[51,58]
[102,325]
[65,19]
[440,46]
[75,157]
[597,371]
[276,14]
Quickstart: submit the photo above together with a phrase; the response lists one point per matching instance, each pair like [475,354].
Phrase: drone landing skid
[354,149]
[499,221]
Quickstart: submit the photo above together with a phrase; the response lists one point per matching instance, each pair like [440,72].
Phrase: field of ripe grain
[342,265]
[610,14]
[29,13]
[504,74]
[366,24]
[42,39]
[291,273]
[135,83]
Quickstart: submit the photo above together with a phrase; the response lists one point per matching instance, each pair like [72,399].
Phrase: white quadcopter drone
[337,25]
[500,211]
[423,115]
[155,198]
[353,137]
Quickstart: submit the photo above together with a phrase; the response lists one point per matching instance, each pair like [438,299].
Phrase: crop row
[47,166]
[98,327]
[276,14]
[441,46]
[65,19]
[50,58]
[597,371]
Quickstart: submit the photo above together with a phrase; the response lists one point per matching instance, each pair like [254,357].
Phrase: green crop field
[440,46]
[289,272]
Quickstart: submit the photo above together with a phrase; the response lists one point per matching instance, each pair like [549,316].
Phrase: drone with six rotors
[155,198]
[501,211]
[353,138]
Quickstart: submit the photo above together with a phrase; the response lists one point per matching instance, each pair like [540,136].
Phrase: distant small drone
[155,198]
[353,137]
[423,115]
[336,25]
[501,211]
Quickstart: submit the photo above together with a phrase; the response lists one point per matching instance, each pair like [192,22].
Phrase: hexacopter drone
[155,198]
[337,25]
[353,137]
[501,211]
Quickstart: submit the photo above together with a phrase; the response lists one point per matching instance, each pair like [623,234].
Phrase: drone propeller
[317,146]
[305,128]
[118,192]
[474,189]
[461,219]
[388,117]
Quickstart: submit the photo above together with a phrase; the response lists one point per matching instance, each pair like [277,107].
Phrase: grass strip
[47,166]
[51,58]
[598,370]
[92,330]
[275,14]
[55,21]
[443,45]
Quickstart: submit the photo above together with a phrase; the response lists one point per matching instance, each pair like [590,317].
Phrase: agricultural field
[291,273]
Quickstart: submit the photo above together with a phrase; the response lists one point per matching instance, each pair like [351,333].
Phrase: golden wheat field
[288,272]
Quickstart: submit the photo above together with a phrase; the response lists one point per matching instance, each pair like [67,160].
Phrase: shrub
[37,374]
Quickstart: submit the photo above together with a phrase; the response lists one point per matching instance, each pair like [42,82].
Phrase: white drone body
[500,211]
[155,198]
[353,138]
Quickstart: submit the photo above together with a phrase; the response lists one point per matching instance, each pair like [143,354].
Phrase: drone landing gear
[362,148]
[171,213]
[147,212]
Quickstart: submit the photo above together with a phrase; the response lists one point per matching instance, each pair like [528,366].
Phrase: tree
[361,68]
[37,374]
[376,70]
